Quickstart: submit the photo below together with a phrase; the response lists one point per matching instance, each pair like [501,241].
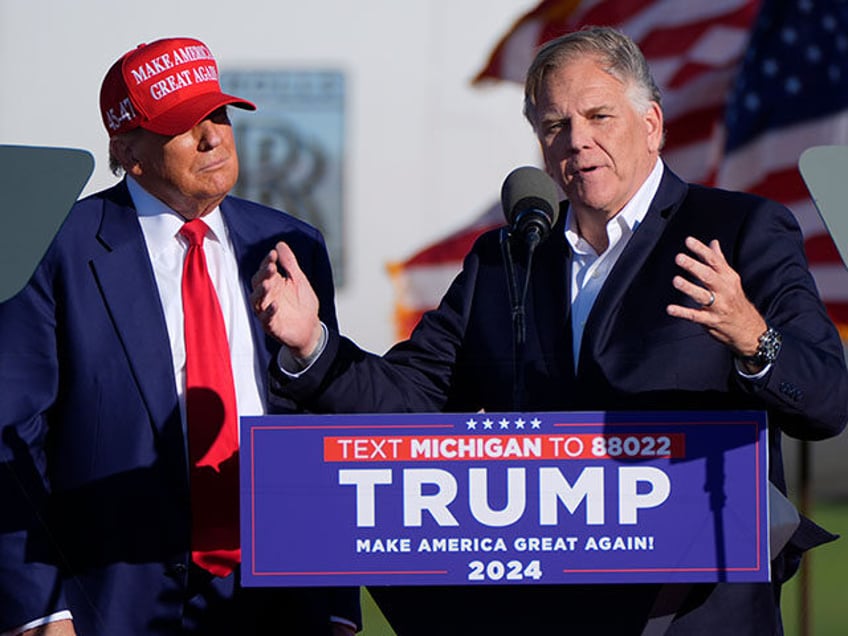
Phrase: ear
[653,118]
[122,149]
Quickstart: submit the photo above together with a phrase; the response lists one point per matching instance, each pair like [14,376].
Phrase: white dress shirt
[589,270]
[161,227]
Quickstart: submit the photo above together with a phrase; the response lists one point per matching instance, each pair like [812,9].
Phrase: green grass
[825,571]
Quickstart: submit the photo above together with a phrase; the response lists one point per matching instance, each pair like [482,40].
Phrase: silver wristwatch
[767,349]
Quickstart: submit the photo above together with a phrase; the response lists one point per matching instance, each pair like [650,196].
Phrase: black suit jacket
[93,474]
[633,356]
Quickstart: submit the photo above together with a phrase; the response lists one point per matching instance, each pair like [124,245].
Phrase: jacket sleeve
[30,585]
[413,376]
[807,387]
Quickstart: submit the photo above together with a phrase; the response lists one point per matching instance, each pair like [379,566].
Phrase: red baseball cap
[167,87]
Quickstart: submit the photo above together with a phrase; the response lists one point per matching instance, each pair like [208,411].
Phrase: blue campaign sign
[504,498]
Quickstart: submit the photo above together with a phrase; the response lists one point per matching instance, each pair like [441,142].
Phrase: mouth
[214,165]
[583,170]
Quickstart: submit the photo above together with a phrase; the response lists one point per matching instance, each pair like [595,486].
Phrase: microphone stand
[517,298]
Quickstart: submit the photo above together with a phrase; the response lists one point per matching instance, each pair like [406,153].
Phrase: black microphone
[530,201]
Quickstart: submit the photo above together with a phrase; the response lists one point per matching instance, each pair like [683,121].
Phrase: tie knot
[194,230]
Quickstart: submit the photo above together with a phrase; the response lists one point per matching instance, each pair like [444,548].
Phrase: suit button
[791,391]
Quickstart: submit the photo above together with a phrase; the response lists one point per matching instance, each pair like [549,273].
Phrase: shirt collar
[162,224]
[630,216]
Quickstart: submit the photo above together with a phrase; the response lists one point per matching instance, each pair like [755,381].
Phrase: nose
[579,135]
[209,134]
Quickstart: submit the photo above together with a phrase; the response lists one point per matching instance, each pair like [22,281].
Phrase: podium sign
[506,498]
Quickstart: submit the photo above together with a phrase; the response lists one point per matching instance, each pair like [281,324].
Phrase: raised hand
[725,311]
[285,302]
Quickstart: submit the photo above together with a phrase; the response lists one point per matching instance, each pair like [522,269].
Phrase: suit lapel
[551,301]
[244,237]
[129,290]
[601,319]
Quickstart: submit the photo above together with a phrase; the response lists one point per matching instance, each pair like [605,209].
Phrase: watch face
[769,347]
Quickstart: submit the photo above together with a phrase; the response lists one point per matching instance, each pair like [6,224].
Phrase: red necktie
[211,415]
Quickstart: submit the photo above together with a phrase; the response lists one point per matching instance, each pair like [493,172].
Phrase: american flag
[748,85]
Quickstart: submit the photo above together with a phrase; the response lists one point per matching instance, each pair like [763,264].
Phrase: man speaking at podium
[650,293]
[124,365]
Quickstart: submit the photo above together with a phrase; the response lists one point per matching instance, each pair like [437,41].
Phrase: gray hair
[618,54]
[115,165]
[125,138]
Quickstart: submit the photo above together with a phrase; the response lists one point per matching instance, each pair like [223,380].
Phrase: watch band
[767,349]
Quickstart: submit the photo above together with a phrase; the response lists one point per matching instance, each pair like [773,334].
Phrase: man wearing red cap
[125,364]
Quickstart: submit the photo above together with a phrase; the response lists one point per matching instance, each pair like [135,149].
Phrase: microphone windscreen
[529,188]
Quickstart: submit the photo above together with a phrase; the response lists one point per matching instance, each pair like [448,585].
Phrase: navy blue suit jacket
[633,356]
[94,481]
